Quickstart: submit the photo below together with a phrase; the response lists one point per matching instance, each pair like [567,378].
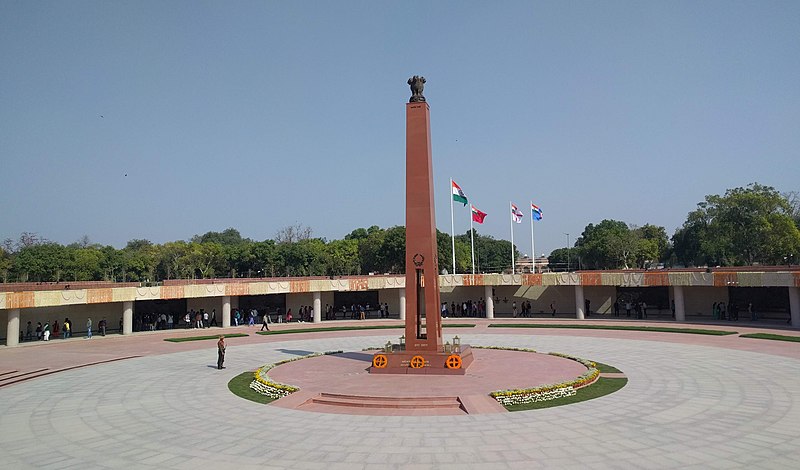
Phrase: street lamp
[568,264]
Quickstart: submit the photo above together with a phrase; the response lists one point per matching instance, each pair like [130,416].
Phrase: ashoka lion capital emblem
[417,85]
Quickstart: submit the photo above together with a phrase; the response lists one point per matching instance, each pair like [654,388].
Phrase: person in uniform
[220,352]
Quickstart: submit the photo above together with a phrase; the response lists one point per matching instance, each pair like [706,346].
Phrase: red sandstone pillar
[423,320]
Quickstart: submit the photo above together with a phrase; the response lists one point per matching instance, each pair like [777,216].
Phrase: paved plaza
[691,401]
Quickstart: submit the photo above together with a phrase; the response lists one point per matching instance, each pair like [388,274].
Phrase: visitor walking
[264,325]
[89,328]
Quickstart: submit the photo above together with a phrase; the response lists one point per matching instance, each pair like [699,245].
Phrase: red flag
[477,215]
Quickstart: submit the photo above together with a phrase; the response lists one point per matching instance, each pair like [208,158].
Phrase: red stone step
[358,401]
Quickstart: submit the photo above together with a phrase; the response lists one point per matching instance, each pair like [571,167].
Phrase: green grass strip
[201,338]
[240,386]
[794,339]
[659,329]
[350,328]
[603,386]
[605,368]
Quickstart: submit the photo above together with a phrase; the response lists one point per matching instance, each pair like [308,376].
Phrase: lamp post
[568,264]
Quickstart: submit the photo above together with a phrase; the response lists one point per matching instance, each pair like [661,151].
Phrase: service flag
[477,215]
[516,215]
[536,212]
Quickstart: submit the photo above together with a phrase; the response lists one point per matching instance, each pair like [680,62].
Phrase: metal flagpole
[533,245]
[512,236]
[452,225]
[472,238]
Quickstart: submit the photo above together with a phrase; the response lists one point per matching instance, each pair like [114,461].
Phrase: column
[317,307]
[12,333]
[226,311]
[794,306]
[403,303]
[579,302]
[487,294]
[680,310]
[127,317]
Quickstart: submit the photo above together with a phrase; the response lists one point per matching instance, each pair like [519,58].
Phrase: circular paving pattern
[684,405]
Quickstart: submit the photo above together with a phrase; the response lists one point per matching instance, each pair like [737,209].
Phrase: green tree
[5,264]
[342,257]
[745,226]
[229,236]
[45,262]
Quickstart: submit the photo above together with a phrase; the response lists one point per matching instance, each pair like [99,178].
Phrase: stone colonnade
[678,297]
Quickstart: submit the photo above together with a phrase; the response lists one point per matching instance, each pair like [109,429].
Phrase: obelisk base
[422,362]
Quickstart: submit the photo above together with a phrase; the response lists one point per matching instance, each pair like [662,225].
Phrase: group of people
[43,332]
[730,312]
[638,308]
[467,308]
[193,319]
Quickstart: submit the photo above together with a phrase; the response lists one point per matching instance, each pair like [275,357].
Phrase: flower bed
[264,385]
[549,391]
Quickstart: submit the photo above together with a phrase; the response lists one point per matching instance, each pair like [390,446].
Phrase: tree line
[745,226]
[292,252]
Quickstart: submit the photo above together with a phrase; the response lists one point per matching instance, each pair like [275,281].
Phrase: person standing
[616,308]
[628,308]
[56,329]
[205,319]
[220,352]
[46,331]
[67,328]
[749,310]
[553,308]
[89,328]
[264,325]
[213,317]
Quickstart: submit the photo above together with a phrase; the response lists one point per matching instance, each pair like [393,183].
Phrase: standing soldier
[220,352]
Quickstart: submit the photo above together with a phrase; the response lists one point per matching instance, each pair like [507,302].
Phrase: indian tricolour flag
[458,194]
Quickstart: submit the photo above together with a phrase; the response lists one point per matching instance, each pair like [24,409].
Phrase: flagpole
[533,245]
[472,239]
[512,237]
[452,225]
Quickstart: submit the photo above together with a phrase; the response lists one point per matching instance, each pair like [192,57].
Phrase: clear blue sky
[257,115]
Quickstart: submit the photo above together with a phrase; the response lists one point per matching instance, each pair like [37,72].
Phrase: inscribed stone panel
[725,279]
[171,292]
[20,300]
[357,284]
[531,279]
[591,279]
[656,279]
[299,286]
[237,288]
[99,296]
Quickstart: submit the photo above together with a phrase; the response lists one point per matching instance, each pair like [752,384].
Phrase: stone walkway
[691,401]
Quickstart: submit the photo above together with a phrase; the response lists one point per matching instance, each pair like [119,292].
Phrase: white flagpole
[452,225]
[533,245]
[472,239]
[512,236]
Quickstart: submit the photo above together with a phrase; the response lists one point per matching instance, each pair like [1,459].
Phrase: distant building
[524,265]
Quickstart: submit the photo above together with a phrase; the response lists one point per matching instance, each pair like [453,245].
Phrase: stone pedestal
[433,362]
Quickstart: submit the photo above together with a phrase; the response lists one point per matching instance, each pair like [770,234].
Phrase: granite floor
[687,404]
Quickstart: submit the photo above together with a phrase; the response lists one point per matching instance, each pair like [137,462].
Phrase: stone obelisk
[423,317]
[423,351]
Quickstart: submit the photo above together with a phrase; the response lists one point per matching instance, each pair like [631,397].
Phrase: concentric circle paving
[685,405]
